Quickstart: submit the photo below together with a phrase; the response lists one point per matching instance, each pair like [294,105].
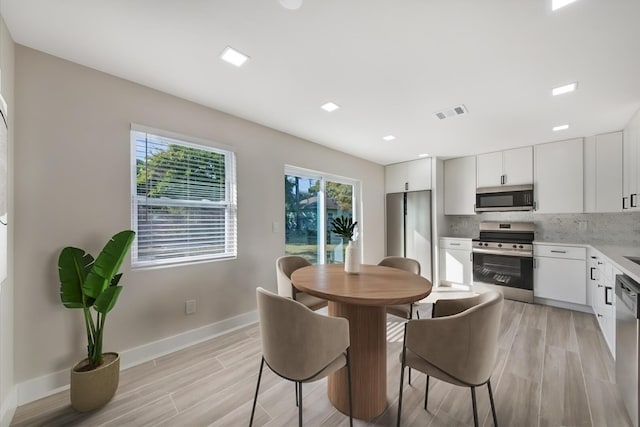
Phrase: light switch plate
[190,306]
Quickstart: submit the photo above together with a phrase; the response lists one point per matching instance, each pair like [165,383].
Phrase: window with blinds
[184,201]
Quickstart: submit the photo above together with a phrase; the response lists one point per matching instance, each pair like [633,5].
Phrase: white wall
[7,391]
[73,188]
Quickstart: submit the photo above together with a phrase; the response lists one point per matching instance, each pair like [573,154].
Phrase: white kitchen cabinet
[592,275]
[558,176]
[408,176]
[460,186]
[509,167]
[631,163]
[603,173]
[455,264]
[560,273]
[603,297]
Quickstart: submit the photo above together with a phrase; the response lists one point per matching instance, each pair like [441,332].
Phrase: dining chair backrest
[296,342]
[468,340]
[401,263]
[285,266]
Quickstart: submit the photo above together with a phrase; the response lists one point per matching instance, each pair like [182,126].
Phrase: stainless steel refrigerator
[409,227]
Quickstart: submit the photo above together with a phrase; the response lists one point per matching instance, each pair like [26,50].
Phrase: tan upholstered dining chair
[459,345]
[313,348]
[407,264]
[285,266]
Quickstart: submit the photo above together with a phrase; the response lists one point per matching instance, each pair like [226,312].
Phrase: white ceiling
[390,64]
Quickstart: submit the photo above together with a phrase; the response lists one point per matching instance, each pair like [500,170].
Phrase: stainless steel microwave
[505,198]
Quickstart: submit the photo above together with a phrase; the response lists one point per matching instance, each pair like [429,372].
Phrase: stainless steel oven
[503,258]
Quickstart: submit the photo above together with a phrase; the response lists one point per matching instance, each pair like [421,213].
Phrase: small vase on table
[351,258]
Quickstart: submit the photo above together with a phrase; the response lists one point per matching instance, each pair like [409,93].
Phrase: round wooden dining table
[362,299]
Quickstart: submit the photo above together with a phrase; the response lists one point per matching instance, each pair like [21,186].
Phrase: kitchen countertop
[615,254]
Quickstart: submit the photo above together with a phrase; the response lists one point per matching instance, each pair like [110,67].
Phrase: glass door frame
[322,177]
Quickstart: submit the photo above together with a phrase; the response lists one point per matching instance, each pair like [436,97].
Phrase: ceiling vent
[458,110]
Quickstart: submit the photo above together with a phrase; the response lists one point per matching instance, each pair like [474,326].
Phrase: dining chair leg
[493,406]
[300,404]
[255,398]
[475,407]
[296,387]
[349,382]
[400,393]
[426,393]
[409,376]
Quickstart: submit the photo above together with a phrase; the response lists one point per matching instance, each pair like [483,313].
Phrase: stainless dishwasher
[627,291]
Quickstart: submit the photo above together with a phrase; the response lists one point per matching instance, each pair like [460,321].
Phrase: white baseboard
[46,385]
[8,407]
[562,304]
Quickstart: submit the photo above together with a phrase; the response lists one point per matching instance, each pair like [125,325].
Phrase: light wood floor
[553,369]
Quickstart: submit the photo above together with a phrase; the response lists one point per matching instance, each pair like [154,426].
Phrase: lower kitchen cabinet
[455,262]
[559,273]
[603,297]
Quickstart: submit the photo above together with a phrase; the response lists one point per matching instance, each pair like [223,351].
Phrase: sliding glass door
[312,201]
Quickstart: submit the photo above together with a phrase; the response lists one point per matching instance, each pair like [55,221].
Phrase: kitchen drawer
[566,252]
[462,244]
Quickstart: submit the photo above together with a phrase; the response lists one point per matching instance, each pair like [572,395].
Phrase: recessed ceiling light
[389,138]
[234,57]
[291,4]
[423,155]
[564,89]
[561,127]
[557,4]
[330,106]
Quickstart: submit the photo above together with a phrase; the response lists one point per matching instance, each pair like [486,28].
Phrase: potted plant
[92,285]
[345,227]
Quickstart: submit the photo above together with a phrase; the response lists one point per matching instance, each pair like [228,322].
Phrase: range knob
[499,245]
[521,246]
[515,246]
[486,244]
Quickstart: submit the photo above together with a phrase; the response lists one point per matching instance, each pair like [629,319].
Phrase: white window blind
[184,201]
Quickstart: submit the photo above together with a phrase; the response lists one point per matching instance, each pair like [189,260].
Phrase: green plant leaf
[107,299]
[108,263]
[73,266]
[116,280]
[344,226]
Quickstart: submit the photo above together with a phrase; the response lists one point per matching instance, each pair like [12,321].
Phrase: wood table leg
[368,336]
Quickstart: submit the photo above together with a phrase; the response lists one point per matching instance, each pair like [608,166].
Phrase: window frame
[323,177]
[230,204]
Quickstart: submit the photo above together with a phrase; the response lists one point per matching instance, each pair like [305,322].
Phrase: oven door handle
[503,252]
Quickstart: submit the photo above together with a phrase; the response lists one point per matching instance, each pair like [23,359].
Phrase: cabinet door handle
[454,244]
[599,315]
[406,186]
[471,256]
[606,295]
[633,200]
[593,269]
[558,251]
[503,179]
[624,203]
[535,263]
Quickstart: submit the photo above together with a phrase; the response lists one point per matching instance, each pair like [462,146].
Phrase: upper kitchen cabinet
[603,173]
[510,167]
[631,163]
[558,182]
[408,176]
[460,186]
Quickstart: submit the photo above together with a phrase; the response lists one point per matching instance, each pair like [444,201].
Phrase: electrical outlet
[190,306]
[582,225]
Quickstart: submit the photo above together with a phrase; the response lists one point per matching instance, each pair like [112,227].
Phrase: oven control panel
[522,249]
